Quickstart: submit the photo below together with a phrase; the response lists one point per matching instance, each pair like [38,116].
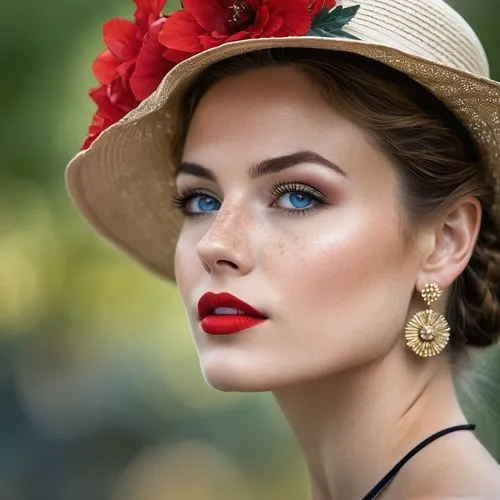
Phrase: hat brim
[124,183]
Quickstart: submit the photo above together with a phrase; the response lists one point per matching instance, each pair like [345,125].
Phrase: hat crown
[427,28]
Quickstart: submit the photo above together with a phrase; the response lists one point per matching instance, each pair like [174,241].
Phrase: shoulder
[477,487]
[465,471]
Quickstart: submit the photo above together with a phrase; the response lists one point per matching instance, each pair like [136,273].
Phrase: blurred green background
[100,391]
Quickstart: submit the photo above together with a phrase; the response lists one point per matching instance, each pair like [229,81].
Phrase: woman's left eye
[297,197]
[295,201]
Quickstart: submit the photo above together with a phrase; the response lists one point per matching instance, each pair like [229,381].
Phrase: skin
[338,284]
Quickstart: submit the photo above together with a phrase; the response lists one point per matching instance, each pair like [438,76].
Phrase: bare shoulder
[460,469]
[479,481]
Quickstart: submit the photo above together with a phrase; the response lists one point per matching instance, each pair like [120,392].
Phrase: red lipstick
[225,314]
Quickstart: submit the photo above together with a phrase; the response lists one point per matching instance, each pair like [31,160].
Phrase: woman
[333,170]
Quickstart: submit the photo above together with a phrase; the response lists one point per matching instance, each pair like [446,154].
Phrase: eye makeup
[291,197]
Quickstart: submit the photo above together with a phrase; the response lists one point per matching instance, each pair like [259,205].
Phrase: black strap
[390,475]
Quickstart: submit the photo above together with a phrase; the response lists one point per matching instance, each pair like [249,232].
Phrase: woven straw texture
[124,183]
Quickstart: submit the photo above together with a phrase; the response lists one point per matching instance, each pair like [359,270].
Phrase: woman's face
[292,209]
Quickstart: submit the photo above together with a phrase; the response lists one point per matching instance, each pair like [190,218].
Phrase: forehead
[267,109]
[266,113]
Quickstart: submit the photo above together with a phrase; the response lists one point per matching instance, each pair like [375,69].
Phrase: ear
[452,242]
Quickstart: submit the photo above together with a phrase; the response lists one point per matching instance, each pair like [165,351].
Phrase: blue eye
[297,198]
[202,204]
[295,201]
[195,202]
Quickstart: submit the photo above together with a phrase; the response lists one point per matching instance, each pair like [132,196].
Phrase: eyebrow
[266,167]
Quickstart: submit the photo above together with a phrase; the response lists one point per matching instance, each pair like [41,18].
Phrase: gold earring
[427,333]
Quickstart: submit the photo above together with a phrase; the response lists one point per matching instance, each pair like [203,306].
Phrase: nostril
[227,263]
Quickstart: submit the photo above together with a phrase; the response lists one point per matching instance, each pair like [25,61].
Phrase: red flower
[151,65]
[113,101]
[139,54]
[318,5]
[130,68]
[205,24]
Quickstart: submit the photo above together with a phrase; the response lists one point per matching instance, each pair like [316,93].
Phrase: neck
[354,426]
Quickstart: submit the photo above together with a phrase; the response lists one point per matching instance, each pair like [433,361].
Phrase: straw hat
[123,184]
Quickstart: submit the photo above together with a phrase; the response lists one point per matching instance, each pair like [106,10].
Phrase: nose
[225,247]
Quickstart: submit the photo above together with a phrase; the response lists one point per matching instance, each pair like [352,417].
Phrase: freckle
[281,247]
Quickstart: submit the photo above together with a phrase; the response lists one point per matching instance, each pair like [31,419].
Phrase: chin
[237,374]
[240,374]
[225,378]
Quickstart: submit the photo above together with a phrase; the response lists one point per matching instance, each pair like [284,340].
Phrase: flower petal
[255,5]
[209,14]
[181,32]
[176,56]
[273,27]
[99,123]
[261,22]
[105,107]
[295,16]
[147,12]
[114,101]
[209,41]
[151,66]
[121,38]
[318,5]
[105,66]
[125,69]
[121,97]
[241,35]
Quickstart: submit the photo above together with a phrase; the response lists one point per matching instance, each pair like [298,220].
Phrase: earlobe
[455,237]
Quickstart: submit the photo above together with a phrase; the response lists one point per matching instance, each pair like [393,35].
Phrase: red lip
[219,324]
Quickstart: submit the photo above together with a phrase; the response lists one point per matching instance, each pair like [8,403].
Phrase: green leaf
[345,14]
[329,23]
[324,17]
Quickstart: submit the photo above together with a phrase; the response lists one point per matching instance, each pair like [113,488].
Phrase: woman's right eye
[202,204]
[197,204]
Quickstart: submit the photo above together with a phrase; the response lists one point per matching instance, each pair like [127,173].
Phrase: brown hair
[436,161]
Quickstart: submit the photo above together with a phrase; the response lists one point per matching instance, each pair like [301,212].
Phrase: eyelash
[183,198]
[287,187]
[279,189]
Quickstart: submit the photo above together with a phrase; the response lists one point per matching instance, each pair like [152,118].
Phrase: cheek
[341,281]
[343,254]
[188,268]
